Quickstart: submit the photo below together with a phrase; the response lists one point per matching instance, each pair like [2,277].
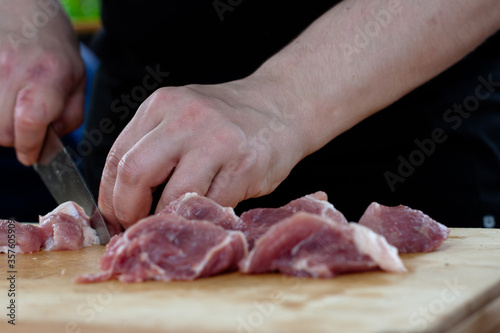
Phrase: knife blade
[64,181]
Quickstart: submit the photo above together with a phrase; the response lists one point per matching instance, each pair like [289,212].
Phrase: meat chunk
[195,237]
[67,228]
[409,230]
[256,222]
[309,245]
[376,247]
[27,237]
[192,206]
[316,203]
[168,247]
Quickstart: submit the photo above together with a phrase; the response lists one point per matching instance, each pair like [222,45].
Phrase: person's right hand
[42,76]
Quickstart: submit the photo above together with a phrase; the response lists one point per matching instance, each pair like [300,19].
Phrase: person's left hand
[229,142]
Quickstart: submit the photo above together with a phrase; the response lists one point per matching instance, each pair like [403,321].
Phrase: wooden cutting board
[442,290]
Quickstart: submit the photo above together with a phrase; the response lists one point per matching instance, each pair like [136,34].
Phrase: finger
[145,166]
[73,114]
[194,173]
[106,187]
[8,93]
[35,109]
[236,181]
[131,134]
[7,103]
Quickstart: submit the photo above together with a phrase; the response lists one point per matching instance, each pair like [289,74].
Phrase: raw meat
[67,228]
[168,247]
[309,245]
[195,237]
[256,222]
[409,230]
[28,238]
[192,206]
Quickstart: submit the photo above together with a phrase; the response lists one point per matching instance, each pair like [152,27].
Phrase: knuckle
[53,66]
[160,97]
[159,94]
[26,119]
[24,97]
[241,167]
[111,167]
[233,136]
[200,109]
[195,109]
[247,161]
[129,171]
[153,103]
[181,110]
[227,140]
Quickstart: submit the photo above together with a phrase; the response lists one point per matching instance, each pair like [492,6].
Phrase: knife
[65,183]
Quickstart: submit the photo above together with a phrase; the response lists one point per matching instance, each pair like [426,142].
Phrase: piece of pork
[67,227]
[192,206]
[168,247]
[256,222]
[409,230]
[309,245]
[27,237]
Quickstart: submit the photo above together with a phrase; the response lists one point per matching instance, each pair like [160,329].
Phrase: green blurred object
[82,10]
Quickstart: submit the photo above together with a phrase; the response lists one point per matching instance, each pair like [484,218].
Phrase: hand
[42,77]
[229,142]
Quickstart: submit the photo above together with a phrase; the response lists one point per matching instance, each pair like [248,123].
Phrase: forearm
[363,55]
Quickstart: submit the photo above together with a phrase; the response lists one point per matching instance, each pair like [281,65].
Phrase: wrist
[305,105]
[273,93]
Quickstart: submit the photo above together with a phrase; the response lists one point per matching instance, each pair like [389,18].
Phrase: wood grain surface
[443,290]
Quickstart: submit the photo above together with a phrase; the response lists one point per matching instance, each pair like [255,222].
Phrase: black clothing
[23,196]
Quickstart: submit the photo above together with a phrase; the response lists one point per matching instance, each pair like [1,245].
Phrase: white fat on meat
[376,247]
[67,227]
[232,236]
[6,248]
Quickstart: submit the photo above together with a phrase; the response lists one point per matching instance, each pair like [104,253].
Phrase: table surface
[449,288]
[87,27]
